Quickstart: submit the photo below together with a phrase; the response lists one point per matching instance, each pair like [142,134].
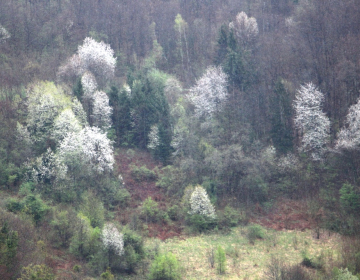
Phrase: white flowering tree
[87,151]
[89,84]
[101,111]
[112,239]
[46,101]
[311,121]
[210,92]
[245,28]
[154,140]
[200,203]
[349,137]
[4,34]
[65,123]
[95,57]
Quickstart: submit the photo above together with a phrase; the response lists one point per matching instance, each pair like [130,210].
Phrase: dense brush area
[128,123]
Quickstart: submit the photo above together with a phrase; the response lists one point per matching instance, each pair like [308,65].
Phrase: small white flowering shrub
[200,203]
[112,239]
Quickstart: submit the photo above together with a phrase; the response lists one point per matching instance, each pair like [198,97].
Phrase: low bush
[149,210]
[199,223]
[229,217]
[143,174]
[165,267]
[255,232]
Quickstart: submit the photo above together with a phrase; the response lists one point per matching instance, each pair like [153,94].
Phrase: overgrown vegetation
[121,121]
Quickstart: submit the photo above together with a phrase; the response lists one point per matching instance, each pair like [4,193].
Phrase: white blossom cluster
[287,163]
[4,34]
[47,168]
[101,110]
[65,123]
[112,239]
[311,121]
[209,92]
[89,84]
[349,137]
[245,28]
[89,146]
[200,203]
[154,140]
[97,57]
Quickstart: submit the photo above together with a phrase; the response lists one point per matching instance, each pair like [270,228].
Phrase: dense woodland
[119,115]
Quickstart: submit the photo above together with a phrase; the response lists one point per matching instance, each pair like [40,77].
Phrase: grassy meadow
[243,259]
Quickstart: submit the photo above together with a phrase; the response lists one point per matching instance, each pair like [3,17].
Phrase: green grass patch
[244,260]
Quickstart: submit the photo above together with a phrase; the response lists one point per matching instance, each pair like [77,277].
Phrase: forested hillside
[124,120]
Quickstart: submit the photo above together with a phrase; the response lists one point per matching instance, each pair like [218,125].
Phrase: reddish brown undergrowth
[141,190]
[286,214]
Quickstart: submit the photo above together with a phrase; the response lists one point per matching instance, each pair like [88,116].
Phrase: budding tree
[349,136]
[112,239]
[311,121]
[245,28]
[210,92]
[200,203]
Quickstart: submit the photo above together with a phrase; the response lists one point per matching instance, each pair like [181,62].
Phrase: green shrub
[143,174]
[121,197]
[229,217]
[107,275]
[37,272]
[150,210]
[220,260]
[62,228]
[93,208]
[134,249]
[35,207]
[174,212]
[201,223]
[14,205]
[343,274]
[255,232]
[165,267]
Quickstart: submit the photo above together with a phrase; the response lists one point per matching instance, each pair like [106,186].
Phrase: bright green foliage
[343,274]
[107,275]
[35,207]
[37,272]
[165,267]
[32,205]
[86,240]
[220,260]
[150,209]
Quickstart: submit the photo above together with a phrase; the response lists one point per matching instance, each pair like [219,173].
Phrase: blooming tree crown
[200,203]
[112,239]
